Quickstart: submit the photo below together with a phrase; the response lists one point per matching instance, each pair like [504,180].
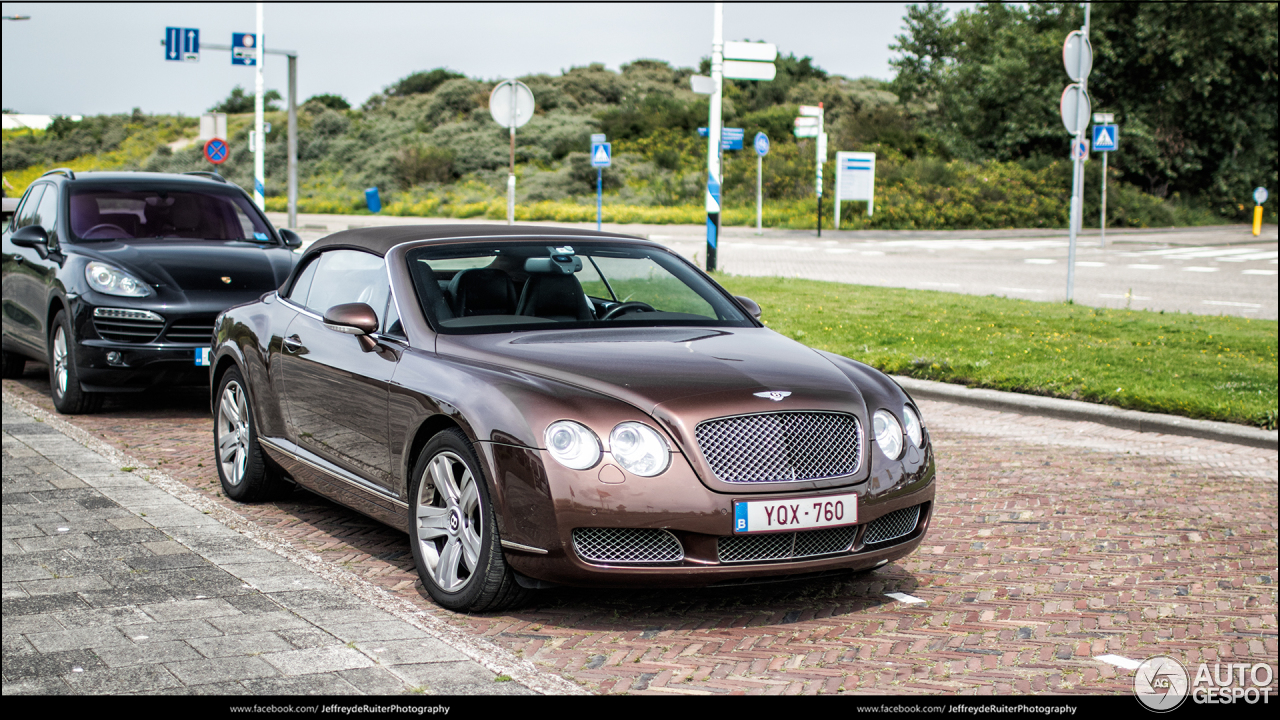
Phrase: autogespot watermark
[1161,683]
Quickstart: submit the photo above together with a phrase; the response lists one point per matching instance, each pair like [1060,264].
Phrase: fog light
[113,357]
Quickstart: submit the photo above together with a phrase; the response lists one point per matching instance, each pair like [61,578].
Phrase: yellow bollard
[1257,220]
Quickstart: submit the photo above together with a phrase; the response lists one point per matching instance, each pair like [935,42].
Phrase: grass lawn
[1200,366]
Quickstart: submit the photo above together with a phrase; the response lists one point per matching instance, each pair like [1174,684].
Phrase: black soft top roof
[379,240]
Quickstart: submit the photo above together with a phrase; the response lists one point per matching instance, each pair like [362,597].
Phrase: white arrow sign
[810,111]
[806,122]
[743,70]
[762,52]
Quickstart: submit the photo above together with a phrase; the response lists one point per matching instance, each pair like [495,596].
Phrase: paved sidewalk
[116,582]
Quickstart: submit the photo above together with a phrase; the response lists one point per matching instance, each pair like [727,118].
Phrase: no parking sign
[216,151]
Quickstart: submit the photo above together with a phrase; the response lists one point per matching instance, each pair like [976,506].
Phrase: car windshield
[504,287]
[128,213]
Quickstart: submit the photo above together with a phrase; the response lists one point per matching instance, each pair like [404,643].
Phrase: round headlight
[639,448]
[113,281]
[915,430]
[572,445]
[888,434]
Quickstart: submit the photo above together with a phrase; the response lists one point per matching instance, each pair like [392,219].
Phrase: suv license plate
[202,357]
[757,516]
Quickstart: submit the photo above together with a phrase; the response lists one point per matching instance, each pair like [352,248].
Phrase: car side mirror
[291,239]
[749,305]
[354,319]
[34,237]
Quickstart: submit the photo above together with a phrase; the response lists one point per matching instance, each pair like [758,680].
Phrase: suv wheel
[64,377]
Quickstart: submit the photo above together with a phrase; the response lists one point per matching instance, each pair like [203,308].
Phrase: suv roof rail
[65,171]
[206,173]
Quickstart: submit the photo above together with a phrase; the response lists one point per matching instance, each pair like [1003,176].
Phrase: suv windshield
[502,287]
[128,213]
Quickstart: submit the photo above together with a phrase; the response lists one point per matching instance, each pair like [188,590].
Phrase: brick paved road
[1054,542]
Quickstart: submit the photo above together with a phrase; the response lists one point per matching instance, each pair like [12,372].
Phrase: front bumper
[543,504]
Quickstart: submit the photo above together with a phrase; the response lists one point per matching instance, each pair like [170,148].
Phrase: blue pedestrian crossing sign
[1106,138]
[244,49]
[601,155]
[182,44]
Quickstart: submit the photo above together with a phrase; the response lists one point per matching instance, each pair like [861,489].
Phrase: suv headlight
[572,444]
[112,280]
[888,433]
[640,449]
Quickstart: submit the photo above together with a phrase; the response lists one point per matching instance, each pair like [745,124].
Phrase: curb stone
[482,651]
[1064,409]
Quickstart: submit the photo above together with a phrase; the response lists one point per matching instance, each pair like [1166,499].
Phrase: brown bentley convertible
[542,406]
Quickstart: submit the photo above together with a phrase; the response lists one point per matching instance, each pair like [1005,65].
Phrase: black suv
[114,279]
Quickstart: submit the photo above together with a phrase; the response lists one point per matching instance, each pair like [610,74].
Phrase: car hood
[691,372]
[198,265]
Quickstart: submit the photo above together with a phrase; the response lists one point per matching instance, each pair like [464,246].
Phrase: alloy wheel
[60,359]
[448,523]
[233,433]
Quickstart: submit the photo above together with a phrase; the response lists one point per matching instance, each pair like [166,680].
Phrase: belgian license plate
[757,516]
[202,357]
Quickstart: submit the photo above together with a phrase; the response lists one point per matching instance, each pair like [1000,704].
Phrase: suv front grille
[781,447]
[627,546]
[191,330]
[785,546]
[129,326]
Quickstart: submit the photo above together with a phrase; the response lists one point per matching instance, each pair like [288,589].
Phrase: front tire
[64,375]
[243,470]
[453,530]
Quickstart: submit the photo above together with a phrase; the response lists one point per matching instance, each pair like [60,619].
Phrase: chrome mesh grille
[780,447]
[785,546]
[627,545]
[892,526]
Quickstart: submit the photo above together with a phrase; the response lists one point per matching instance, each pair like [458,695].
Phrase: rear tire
[453,530]
[64,374]
[245,474]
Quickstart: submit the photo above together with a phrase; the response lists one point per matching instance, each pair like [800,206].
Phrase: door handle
[293,343]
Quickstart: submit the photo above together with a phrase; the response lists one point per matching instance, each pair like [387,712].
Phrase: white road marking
[1258,272]
[904,598]
[1041,261]
[1011,289]
[1261,256]
[1146,267]
[1200,269]
[1122,297]
[977,244]
[1228,303]
[940,284]
[1119,661]
[840,251]
[872,252]
[1089,263]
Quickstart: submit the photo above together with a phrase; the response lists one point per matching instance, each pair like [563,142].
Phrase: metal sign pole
[713,136]
[511,176]
[759,194]
[259,138]
[818,158]
[599,194]
[293,141]
[1102,221]
[1077,186]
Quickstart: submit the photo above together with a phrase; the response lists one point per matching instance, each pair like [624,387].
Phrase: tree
[240,102]
[421,82]
[333,102]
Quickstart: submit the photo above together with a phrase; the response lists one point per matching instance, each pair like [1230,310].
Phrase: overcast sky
[93,58]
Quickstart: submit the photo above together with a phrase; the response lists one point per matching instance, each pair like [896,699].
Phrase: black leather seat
[555,297]
[482,291]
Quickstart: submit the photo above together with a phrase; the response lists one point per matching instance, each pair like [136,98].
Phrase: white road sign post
[260,149]
[736,61]
[810,125]
[1106,139]
[1077,58]
[511,105]
[855,180]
